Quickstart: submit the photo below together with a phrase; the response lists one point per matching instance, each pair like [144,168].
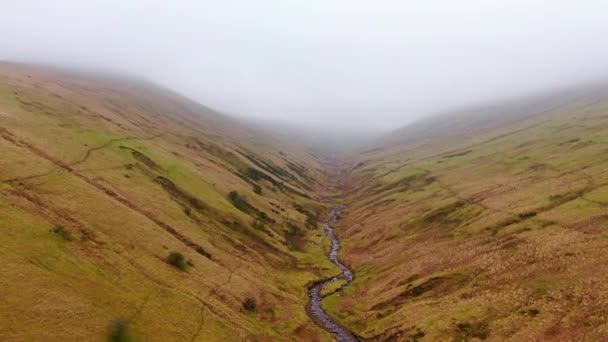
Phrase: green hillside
[490,225]
[102,179]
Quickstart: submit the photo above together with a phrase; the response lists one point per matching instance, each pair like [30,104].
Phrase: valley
[128,210]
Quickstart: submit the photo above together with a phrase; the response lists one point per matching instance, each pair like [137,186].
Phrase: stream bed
[314,308]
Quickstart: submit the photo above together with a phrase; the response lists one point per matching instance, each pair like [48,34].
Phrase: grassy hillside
[123,204]
[495,231]
[129,210]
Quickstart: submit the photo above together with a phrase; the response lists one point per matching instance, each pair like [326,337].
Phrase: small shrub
[255,174]
[119,331]
[293,229]
[239,202]
[63,233]
[178,260]
[249,304]
[257,189]
[311,222]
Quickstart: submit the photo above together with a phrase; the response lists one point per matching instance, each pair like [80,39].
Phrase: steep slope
[497,230]
[103,180]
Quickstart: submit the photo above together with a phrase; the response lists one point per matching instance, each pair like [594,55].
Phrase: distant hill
[467,123]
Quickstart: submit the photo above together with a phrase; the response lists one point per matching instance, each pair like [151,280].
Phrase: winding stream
[316,312]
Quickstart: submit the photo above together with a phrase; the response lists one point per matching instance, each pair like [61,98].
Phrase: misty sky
[361,64]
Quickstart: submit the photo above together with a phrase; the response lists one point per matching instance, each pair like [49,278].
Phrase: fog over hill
[350,64]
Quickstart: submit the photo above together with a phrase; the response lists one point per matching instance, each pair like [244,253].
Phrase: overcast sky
[357,63]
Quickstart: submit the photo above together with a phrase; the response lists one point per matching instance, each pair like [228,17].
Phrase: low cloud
[361,64]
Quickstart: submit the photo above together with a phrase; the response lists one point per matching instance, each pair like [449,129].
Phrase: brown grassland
[123,204]
[101,179]
[497,233]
